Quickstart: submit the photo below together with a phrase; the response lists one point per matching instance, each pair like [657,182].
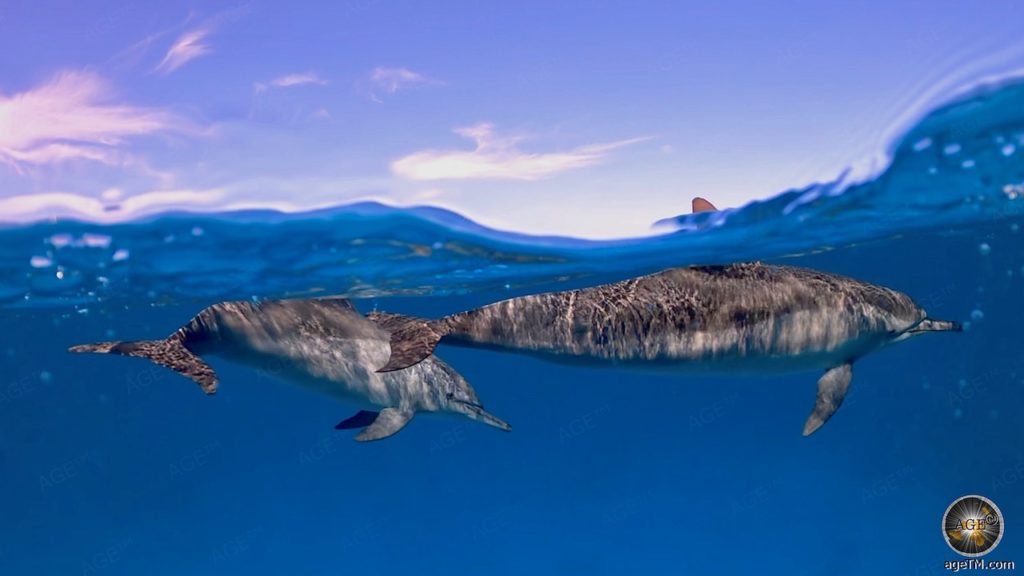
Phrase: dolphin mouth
[477,412]
[468,403]
[930,325]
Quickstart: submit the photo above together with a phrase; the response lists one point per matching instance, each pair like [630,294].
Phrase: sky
[581,119]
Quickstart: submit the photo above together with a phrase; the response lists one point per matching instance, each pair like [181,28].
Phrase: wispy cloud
[71,117]
[498,158]
[391,80]
[186,48]
[297,80]
[290,80]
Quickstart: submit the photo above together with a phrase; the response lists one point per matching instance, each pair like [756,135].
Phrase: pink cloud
[186,48]
[392,79]
[297,80]
[71,117]
[498,158]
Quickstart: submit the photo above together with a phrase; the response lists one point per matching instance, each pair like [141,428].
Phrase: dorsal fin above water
[702,205]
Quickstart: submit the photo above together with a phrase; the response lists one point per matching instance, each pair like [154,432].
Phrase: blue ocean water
[113,466]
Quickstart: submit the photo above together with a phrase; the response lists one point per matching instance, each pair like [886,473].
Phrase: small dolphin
[749,317]
[324,345]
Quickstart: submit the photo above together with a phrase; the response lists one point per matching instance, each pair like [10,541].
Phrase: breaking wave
[959,166]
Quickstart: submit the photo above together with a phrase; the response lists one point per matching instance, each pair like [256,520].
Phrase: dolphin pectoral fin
[390,421]
[832,388]
[412,339]
[360,419]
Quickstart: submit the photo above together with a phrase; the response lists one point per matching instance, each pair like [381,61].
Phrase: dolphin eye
[451,395]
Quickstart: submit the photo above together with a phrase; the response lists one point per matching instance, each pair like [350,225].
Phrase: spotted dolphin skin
[749,317]
[324,345]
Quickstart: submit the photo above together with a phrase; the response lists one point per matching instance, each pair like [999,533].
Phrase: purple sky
[588,119]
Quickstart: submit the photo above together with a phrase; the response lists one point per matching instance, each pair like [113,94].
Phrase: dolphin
[747,317]
[321,344]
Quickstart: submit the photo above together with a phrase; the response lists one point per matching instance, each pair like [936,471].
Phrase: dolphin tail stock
[170,353]
[412,339]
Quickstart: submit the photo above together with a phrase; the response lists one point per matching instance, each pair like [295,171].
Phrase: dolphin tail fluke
[412,339]
[832,388]
[170,353]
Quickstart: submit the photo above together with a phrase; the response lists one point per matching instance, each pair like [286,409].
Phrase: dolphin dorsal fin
[412,339]
[702,205]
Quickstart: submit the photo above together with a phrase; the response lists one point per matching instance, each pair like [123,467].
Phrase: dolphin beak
[477,412]
[931,325]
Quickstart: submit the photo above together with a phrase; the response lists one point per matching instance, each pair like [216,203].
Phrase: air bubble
[957,414]
[40,262]
[1008,150]
[951,149]
[967,164]
[984,249]
[977,315]
[922,144]
[45,377]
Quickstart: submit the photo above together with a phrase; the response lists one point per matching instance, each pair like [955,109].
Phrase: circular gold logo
[972,526]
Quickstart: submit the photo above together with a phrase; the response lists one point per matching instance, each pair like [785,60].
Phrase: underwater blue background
[113,466]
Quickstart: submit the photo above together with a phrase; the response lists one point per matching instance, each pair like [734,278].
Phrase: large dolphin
[324,345]
[749,317]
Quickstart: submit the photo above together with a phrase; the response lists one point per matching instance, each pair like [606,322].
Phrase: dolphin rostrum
[321,344]
[748,317]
